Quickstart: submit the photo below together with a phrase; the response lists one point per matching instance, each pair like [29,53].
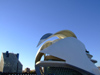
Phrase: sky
[24,22]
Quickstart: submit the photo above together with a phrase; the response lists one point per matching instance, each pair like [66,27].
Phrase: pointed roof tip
[44,37]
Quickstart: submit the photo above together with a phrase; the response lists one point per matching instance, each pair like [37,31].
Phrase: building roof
[61,34]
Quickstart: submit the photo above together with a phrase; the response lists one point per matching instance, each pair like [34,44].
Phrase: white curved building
[64,56]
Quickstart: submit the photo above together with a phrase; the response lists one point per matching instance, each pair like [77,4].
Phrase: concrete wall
[73,51]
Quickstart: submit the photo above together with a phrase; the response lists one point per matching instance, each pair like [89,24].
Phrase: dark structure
[9,63]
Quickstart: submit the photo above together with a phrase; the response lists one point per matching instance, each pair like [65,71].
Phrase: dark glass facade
[60,71]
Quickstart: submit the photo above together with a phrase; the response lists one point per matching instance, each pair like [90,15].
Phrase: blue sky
[23,22]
